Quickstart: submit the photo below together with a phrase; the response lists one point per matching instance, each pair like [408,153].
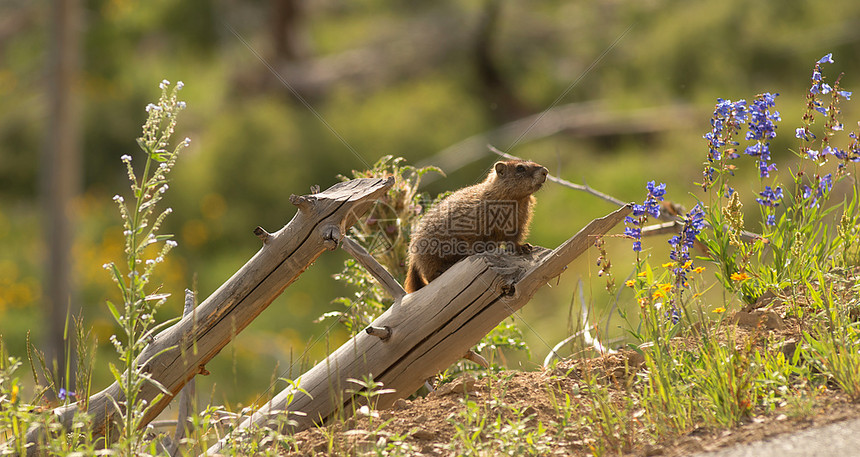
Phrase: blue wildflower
[761,127]
[725,123]
[63,394]
[651,206]
[694,222]
[804,134]
[674,314]
[825,184]
[817,86]
[845,94]
[770,197]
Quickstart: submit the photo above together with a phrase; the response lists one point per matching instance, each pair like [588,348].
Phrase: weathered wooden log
[321,221]
[373,267]
[427,331]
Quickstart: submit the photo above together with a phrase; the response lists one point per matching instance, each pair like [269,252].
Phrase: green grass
[698,370]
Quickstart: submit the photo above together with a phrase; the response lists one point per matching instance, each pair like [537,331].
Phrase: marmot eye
[521,168]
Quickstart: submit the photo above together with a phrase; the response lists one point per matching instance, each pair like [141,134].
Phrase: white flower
[181,105]
[168,211]
[118,198]
[108,266]
[126,232]
[159,259]
[150,262]
[163,188]
[151,107]
[171,243]
[179,85]
[164,84]
[187,141]
[125,158]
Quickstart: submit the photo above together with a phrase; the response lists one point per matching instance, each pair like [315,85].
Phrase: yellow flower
[630,283]
[668,264]
[698,269]
[719,310]
[739,276]
[14,393]
[688,264]
[642,274]
[657,294]
[664,287]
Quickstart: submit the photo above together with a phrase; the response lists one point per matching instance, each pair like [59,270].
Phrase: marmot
[491,216]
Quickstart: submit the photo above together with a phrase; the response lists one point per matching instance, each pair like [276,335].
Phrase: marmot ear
[500,168]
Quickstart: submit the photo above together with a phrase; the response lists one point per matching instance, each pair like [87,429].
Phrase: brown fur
[490,205]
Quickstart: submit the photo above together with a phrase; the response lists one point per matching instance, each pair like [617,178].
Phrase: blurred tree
[288,30]
[60,183]
[503,103]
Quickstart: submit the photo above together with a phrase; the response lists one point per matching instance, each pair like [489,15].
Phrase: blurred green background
[637,80]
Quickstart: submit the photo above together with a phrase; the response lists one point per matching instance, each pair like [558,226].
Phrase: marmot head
[518,178]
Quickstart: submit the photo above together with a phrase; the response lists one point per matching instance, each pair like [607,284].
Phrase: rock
[402,403]
[321,447]
[422,434]
[767,319]
[788,349]
[653,449]
[462,385]
[763,300]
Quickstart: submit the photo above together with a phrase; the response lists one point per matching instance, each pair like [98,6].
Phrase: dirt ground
[424,423]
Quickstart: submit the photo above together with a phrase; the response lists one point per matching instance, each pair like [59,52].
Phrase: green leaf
[115,372]
[160,156]
[114,312]
[142,144]
[119,278]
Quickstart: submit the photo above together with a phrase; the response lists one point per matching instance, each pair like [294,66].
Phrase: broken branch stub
[427,331]
[180,352]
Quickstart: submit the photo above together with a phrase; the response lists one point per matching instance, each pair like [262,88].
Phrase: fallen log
[423,333]
[319,224]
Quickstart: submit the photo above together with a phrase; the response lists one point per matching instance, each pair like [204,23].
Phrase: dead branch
[184,349]
[577,119]
[427,332]
[373,267]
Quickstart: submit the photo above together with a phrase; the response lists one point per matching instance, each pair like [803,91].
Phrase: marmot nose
[542,173]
